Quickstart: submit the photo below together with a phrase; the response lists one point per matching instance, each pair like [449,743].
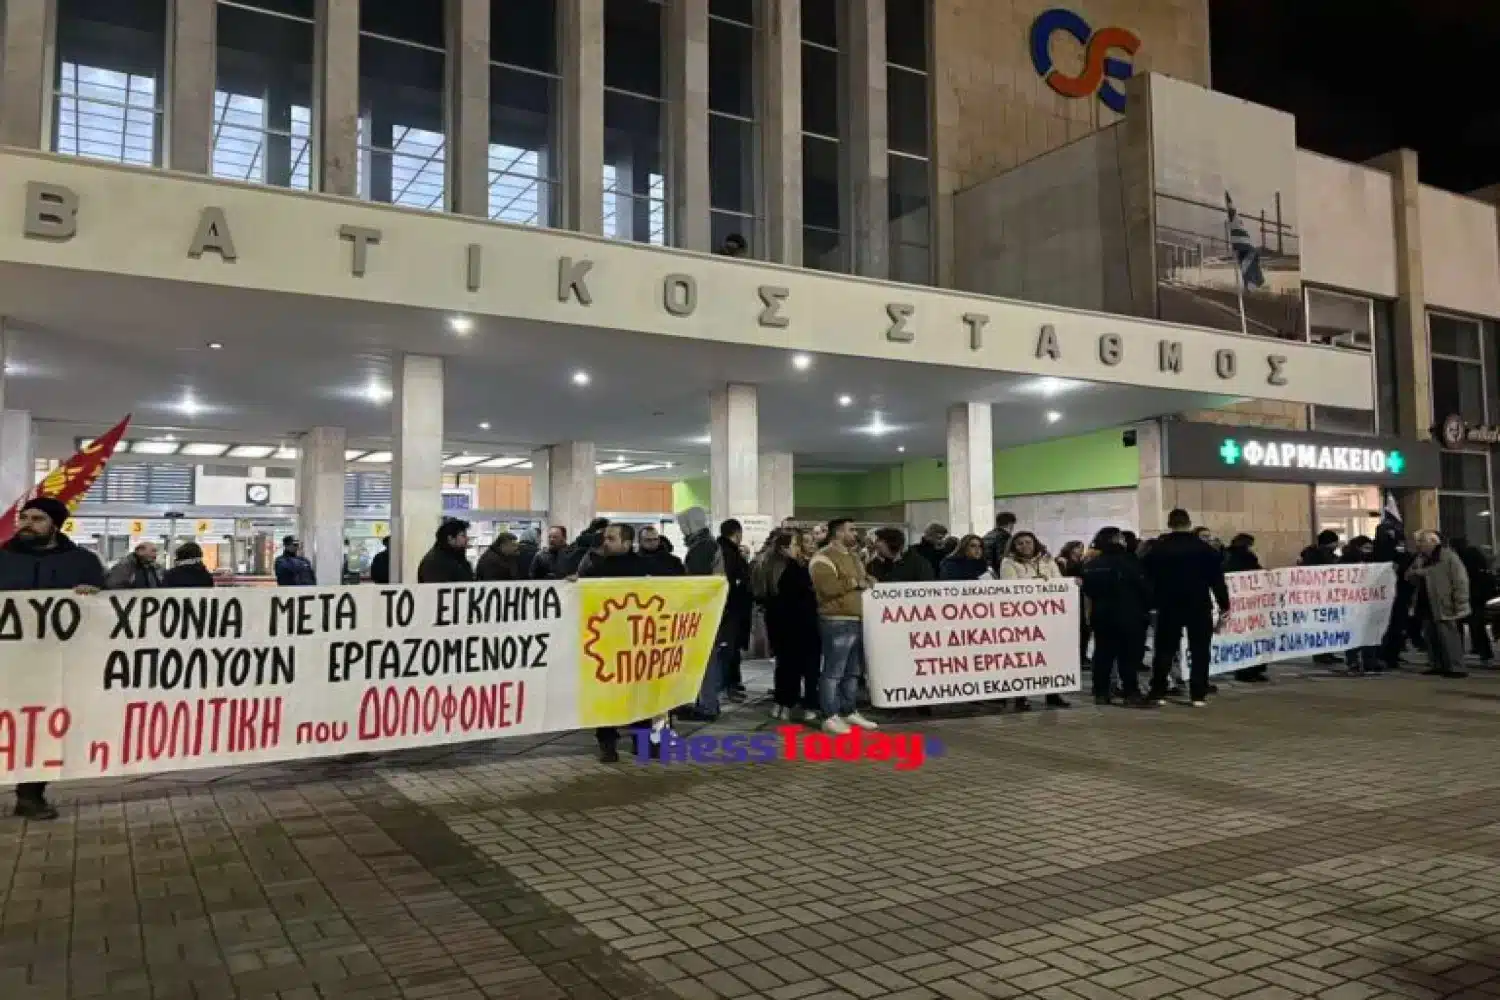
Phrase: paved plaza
[1317,837]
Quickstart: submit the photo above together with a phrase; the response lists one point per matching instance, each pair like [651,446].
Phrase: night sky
[1366,76]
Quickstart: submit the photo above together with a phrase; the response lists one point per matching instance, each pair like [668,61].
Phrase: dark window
[820,22]
[401,128]
[731,69]
[824,250]
[906,111]
[522,155]
[524,34]
[910,219]
[111,60]
[1458,387]
[634,183]
[1466,517]
[906,33]
[263,98]
[1465,472]
[821,205]
[420,22]
[633,46]
[1385,366]
[742,11]
[1455,337]
[307,10]
[1341,420]
[820,91]
[731,167]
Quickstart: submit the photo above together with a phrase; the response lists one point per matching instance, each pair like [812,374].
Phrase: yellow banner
[646,643]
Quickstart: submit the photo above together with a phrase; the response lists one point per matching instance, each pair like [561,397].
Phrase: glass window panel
[821,203]
[401,141]
[634,181]
[731,164]
[633,46]
[823,250]
[722,225]
[263,98]
[820,91]
[910,198]
[910,263]
[1339,320]
[524,34]
[1451,335]
[1338,419]
[906,33]
[731,69]
[1385,364]
[522,164]
[110,59]
[820,21]
[305,9]
[906,111]
[1464,472]
[742,11]
[1457,387]
[1465,517]
[420,22]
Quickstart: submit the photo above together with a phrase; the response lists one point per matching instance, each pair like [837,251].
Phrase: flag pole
[1239,275]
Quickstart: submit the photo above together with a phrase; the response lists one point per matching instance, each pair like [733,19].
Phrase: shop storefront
[1346,475]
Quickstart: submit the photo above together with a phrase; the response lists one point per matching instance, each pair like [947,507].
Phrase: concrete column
[869,167]
[776,485]
[17,455]
[780,58]
[417,465]
[27,35]
[468,64]
[191,26]
[971,469]
[734,432]
[581,30]
[320,501]
[1419,508]
[687,97]
[565,485]
[336,98]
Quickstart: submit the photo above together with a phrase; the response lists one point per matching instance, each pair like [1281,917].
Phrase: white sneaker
[855,719]
[835,726]
[809,715]
[1200,704]
[779,712]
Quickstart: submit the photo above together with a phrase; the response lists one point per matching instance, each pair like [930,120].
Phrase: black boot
[1057,701]
[35,808]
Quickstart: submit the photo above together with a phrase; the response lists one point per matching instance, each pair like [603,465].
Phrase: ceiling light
[671,464]
[1049,386]
[703,439]
[902,449]
[377,393]
[284,454]
[581,378]
[802,362]
[154,448]
[462,461]
[377,458]
[610,466]
[846,400]
[204,449]
[1053,416]
[877,426]
[169,437]
[214,345]
[619,458]
[251,451]
[353,454]
[501,463]
[643,467]
[461,325]
[484,425]
[189,407]
[525,465]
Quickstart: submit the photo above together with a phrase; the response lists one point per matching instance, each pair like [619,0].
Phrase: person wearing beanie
[188,569]
[448,559]
[40,557]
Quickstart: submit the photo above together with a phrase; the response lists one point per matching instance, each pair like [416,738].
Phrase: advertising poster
[143,682]
[1299,612]
[942,643]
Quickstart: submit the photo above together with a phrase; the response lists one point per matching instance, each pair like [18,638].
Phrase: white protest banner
[1281,614]
[957,641]
[141,682]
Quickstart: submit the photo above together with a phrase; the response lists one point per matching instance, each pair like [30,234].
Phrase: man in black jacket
[1186,576]
[895,563]
[933,547]
[501,561]
[448,559]
[656,556]
[1118,599]
[1324,553]
[40,557]
[548,564]
[380,566]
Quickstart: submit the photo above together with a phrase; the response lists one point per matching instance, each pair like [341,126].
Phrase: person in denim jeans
[839,580]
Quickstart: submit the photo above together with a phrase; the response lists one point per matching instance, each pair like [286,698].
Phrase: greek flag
[1391,514]
[1246,254]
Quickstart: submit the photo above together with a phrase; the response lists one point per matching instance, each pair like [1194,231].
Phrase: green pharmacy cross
[1229,451]
[1395,462]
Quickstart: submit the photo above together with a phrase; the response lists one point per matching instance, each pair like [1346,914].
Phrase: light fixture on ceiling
[642,467]
[461,325]
[204,449]
[501,462]
[581,378]
[603,467]
[1053,416]
[353,454]
[377,393]
[671,465]
[169,437]
[154,448]
[802,362]
[251,451]
[189,407]
[877,427]
[901,449]
[619,458]
[214,345]
[703,439]
[484,425]
[376,458]
[846,400]
[1049,386]
[285,454]
[462,461]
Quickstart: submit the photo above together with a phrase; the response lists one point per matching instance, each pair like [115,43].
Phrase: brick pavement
[1320,837]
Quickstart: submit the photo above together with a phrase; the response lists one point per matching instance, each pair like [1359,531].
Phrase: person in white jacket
[1026,558]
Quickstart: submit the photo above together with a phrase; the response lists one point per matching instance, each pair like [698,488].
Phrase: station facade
[351,263]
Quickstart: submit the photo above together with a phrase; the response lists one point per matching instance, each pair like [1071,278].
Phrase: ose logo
[1098,67]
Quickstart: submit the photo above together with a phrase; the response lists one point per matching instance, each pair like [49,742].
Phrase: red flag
[70,480]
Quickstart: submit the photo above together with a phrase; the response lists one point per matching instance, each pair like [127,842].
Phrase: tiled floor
[1318,837]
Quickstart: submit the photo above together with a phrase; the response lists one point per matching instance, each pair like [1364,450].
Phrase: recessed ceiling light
[802,362]
[461,325]
[154,448]
[484,425]
[214,345]
[1049,385]
[846,400]
[501,462]
[204,449]
[610,466]
[619,458]
[285,454]
[353,453]
[703,439]
[877,427]
[581,378]
[462,461]
[377,393]
[1053,416]
[251,451]
[902,449]
[671,465]
[189,407]
[376,458]
[169,437]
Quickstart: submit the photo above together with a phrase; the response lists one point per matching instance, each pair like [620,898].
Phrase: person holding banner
[1026,558]
[40,557]
[616,557]
[448,559]
[1186,576]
